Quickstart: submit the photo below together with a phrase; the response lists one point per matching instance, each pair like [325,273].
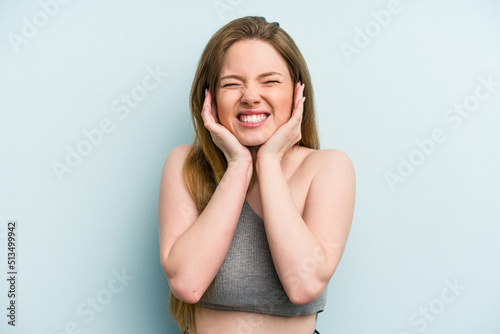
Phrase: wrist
[240,169]
[267,163]
[240,158]
[244,161]
[268,157]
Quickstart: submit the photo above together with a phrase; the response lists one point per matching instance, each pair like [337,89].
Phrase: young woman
[253,217]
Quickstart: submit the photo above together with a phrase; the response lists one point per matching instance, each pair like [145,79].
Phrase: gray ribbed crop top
[247,279]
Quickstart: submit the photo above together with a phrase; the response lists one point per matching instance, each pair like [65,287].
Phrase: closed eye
[271,81]
[230,85]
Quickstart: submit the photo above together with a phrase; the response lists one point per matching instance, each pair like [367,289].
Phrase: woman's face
[254,96]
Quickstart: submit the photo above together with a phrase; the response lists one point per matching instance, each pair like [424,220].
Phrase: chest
[298,184]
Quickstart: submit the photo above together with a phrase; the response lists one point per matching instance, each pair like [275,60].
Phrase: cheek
[227,105]
[225,121]
[285,108]
[224,111]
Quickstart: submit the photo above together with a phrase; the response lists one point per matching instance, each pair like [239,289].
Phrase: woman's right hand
[222,137]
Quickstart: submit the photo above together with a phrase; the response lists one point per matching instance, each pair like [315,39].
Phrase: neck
[253,150]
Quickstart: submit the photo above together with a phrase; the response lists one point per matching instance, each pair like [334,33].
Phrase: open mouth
[254,118]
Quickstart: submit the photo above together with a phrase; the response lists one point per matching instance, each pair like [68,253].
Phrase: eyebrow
[260,76]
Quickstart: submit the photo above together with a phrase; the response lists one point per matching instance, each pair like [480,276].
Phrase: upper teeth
[253,118]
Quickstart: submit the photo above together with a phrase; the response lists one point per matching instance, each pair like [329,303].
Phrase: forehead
[251,58]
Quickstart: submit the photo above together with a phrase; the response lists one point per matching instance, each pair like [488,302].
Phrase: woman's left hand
[288,134]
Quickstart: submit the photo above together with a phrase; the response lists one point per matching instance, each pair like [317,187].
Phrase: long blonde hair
[205,164]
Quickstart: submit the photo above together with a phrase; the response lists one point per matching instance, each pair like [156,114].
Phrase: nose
[250,95]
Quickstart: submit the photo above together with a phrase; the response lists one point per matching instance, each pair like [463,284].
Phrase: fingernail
[303,99]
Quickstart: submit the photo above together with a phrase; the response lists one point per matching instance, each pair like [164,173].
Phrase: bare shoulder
[329,160]
[173,168]
[173,187]
[334,158]
[180,151]
[176,157]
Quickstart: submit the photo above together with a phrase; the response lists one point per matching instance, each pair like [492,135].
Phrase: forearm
[293,246]
[198,253]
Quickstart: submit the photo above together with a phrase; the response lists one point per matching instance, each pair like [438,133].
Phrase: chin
[252,141]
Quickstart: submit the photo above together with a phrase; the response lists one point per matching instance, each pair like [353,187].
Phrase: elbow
[190,296]
[307,293]
[185,292]
[181,288]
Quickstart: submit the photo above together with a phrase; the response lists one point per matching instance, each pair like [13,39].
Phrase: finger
[209,105]
[208,98]
[209,116]
[296,95]
[213,109]
[299,101]
[298,112]
[206,114]
[206,102]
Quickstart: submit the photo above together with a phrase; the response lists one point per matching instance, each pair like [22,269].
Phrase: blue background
[439,226]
